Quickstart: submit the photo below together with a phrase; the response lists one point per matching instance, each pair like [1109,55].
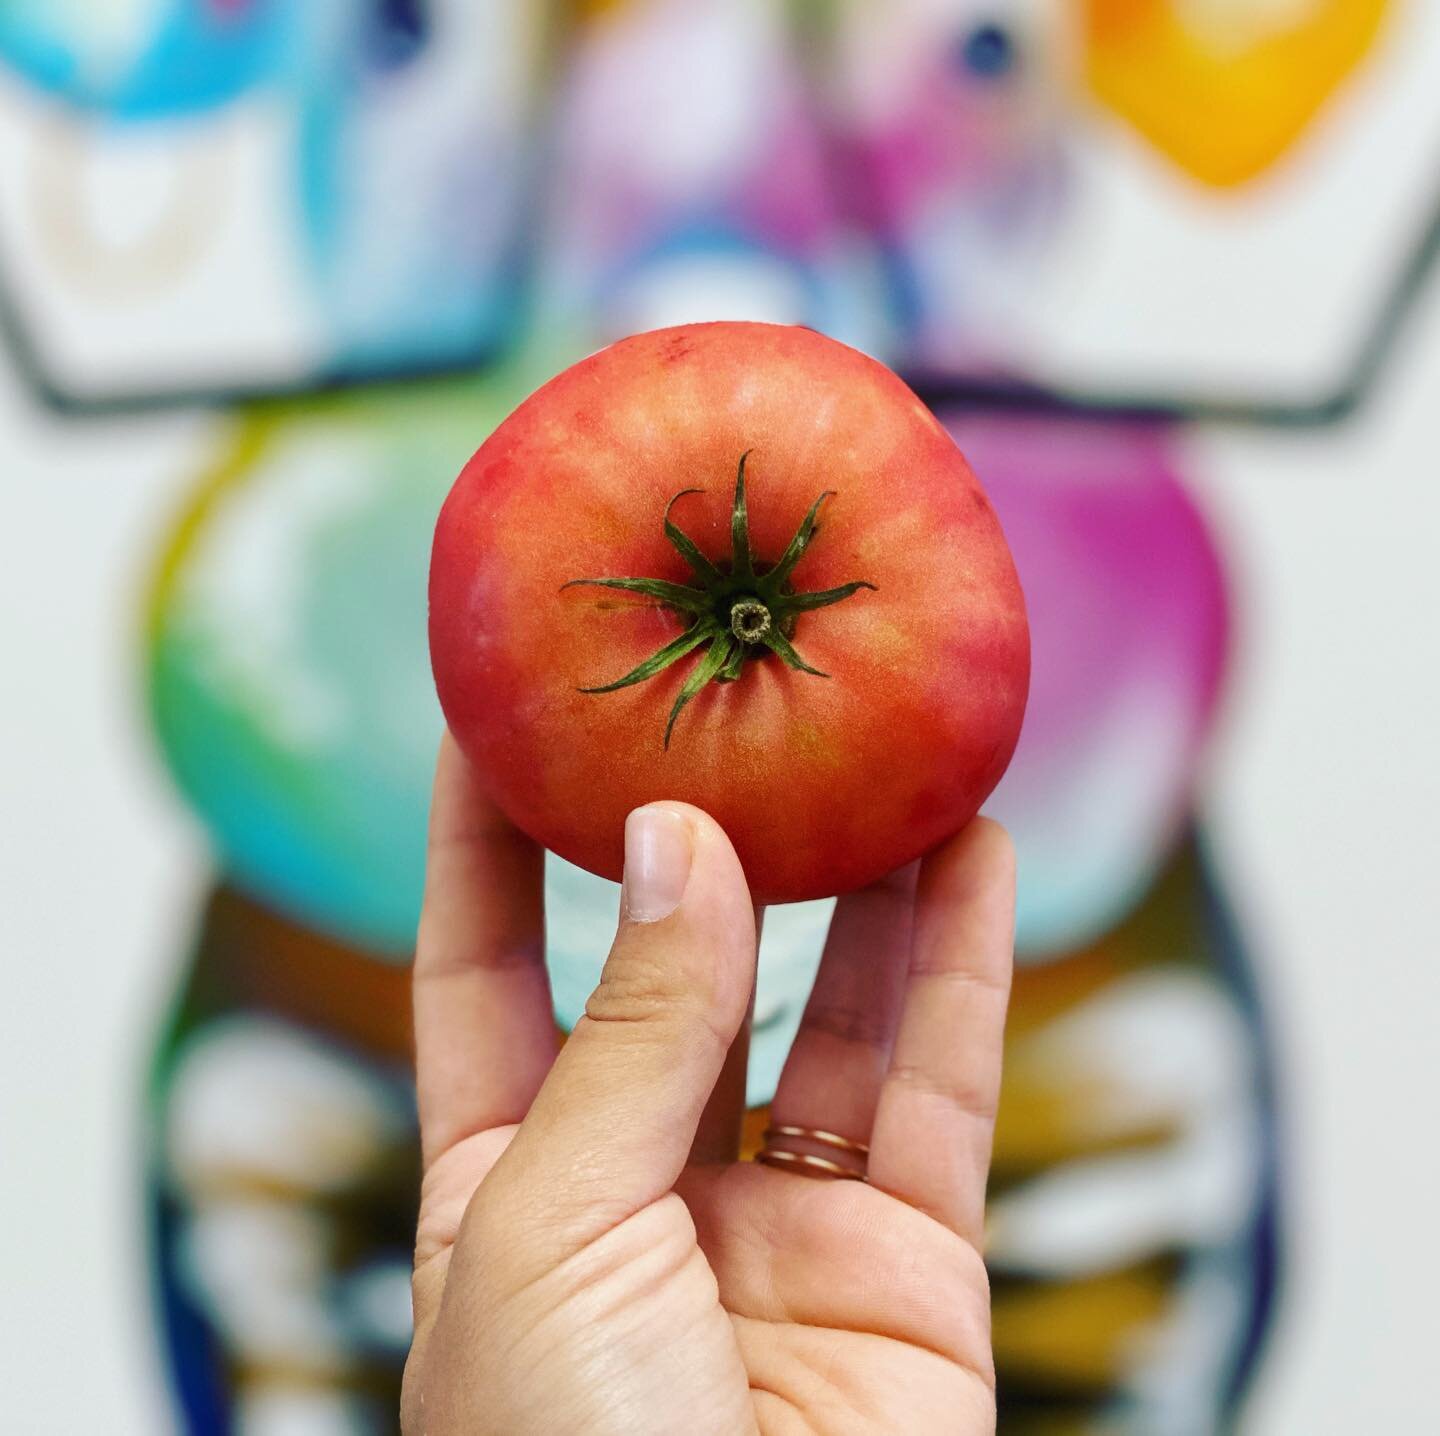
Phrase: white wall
[1326,808]
[98,869]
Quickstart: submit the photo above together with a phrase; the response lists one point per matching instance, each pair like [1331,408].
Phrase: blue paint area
[192,56]
[717,238]
[1261,1254]
[195,1355]
[988,51]
[446,285]
[399,32]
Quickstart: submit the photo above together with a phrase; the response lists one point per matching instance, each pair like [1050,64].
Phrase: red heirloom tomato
[743,566]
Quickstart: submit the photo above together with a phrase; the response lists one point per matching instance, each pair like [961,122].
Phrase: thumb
[610,1129]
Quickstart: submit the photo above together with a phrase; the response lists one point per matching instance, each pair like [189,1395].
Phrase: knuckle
[644,990]
[941,971]
[868,1027]
[977,1098]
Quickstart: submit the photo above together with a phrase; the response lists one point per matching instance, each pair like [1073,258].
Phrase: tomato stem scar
[749,620]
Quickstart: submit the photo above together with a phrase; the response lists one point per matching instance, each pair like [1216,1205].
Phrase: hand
[591,1256]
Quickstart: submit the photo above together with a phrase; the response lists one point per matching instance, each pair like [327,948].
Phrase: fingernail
[657,863]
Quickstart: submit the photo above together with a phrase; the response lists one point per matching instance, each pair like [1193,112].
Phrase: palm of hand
[747,1300]
[851,1311]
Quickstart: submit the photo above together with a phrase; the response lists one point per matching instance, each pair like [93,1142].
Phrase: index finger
[484,1025]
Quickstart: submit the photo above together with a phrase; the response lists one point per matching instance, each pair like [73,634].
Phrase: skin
[822,784]
[591,1258]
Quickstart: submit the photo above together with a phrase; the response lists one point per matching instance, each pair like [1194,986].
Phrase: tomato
[743,566]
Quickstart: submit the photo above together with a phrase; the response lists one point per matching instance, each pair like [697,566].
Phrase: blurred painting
[365,229]
[276,193]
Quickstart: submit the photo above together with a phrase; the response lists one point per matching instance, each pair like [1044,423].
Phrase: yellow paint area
[1224,88]
[589,9]
[1040,1127]
[1080,1333]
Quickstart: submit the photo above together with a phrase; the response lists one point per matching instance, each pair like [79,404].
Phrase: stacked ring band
[808,1164]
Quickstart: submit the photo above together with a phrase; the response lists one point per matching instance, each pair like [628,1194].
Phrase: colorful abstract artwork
[441,203]
[288,677]
[289,689]
[726,209]
[945,124]
[275,193]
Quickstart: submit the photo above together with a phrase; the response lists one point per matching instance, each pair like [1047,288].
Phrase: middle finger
[832,1077]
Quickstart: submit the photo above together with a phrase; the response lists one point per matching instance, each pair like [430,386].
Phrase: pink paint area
[678,113]
[786,201]
[921,122]
[1129,625]
[941,145]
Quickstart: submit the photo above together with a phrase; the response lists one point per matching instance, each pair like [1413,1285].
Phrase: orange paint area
[1224,88]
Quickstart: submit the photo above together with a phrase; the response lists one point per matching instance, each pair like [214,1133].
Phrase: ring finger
[832,1078]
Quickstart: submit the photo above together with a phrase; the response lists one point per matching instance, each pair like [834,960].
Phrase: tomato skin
[823,784]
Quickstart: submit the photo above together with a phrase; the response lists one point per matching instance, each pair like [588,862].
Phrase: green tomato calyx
[738,613]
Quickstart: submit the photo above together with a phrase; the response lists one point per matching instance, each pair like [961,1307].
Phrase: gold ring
[813,1166]
[814,1134]
[808,1163]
